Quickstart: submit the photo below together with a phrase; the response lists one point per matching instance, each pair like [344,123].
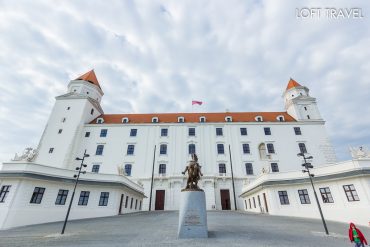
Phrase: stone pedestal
[193,215]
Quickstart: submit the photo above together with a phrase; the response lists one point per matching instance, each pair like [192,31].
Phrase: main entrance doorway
[225,199]
[159,199]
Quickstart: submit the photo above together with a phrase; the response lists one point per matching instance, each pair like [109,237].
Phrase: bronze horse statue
[194,174]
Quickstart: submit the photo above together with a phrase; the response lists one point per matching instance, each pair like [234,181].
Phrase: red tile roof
[292,83]
[194,117]
[90,77]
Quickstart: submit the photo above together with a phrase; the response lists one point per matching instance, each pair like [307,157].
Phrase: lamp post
[74,189]
[307,167]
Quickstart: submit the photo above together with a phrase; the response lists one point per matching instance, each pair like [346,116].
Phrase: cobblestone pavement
[160,229]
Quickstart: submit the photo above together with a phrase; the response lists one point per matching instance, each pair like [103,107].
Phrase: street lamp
[307,167]
[79,169]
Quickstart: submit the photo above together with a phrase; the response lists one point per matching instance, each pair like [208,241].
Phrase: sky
[156,56]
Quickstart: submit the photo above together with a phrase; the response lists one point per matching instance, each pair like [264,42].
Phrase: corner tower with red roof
[299,104]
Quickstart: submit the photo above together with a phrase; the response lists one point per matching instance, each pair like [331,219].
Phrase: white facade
[263,194]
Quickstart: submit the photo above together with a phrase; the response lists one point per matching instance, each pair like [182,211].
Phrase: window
[51,150]
[259,119]
[180,119]
[95,168]
[274,167]
[125,120]
[297,131]
[130,149]
[250,205]
[128,169]
[243,131]
[267,131]
[302,148]
[164,132]
[222,168]
[326,195]
[163,149]
[202,119]
[283,195]
[99,120]
[351,193]
[135,204]
[60,131]
[68,108]
[140,206]
[155,120]
[104,196]
[4,191]
[305,108]
[259,200]
[228,119]
[132,199]
[103,132]
[218,131]
[191,131]
[246,149]
[99,150]
[220,149]
[308,116]
[37,195]
[162,169]
[87,134]
[84,198]
[126,203]
[270,148]
[133,132]
[63,120]
[254,202]
[303,196]
[61,197]
[92,111]
[245,204]
[249,168]
[280,118]
[191,148]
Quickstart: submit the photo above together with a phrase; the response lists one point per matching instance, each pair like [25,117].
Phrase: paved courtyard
[160,229]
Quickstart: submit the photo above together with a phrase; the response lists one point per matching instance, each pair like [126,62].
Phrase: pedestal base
[193,215]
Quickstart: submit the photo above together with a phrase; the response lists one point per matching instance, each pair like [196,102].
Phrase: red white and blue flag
[195,102]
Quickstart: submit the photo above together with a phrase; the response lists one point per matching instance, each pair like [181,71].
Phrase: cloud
[156,56]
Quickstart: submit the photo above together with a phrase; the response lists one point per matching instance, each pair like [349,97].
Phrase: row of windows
[191,132]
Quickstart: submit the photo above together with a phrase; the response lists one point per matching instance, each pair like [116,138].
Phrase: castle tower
[299,104]
[64,130]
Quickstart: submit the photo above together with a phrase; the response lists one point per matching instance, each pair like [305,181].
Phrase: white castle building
[136,160]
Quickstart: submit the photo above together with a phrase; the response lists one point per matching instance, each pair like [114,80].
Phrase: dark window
[162,168]
[270,148]
[246,149]
[92,111]
[259,200]
[259,119]
[243,131]
[191,148]
[128,169]
[283,195]
[133,132]
[308,116]
[281,119]
[140,206]
[87,134]
[326,195]
[51,150]
[228,119]
[99,150]
[103,132]
[297,131]
[191,131]
[125,120]
[60,131]
[37,195]
[61,197]
[68,108]
[130,149]
[132,199]
[222,168]
[267,131]
[163,149]
[250,204]
[274,167]
[303,196]
[202,119]
[135,204]
[220,149]
[180,120]
[84,198]
[99,120]
[104,196]
[126,203]
[305,108]
[249,168]
[351,193]
[95,168]
[154,120]
[245,203]
[4,191]
[218,131]
[63,120]
[302,148]
[254,202]
[164,132]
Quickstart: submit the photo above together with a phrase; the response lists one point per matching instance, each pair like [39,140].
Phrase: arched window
[155,120]
[228,119]
[259,119]
[125,120]
[262,151]
[162,169]
[100,120]
[202,119]
[128,169]
[163,149]
[191,148]
[180,119]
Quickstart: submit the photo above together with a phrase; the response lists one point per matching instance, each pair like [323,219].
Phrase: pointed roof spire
[90,77]
[292,83]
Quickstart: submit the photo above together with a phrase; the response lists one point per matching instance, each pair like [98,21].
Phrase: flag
[194,102]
